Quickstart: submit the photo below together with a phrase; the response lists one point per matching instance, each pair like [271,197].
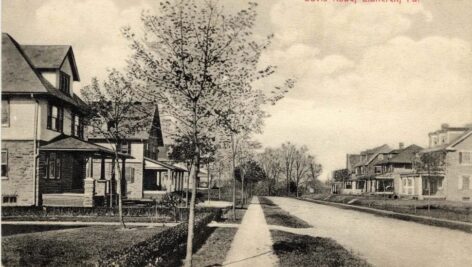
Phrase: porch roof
[151,164]
[73,144]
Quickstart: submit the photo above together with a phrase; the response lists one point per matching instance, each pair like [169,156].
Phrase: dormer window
[64,82]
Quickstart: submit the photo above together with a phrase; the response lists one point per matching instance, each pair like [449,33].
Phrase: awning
[72,144]
[151,164]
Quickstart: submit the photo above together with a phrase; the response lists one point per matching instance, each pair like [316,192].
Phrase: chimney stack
[444,126]
[401,145]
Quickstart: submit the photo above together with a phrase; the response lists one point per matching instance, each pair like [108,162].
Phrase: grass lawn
[70,247]
[442,209]
[303,250]
[88,219]
[213,252]
[277,216]
[10,229]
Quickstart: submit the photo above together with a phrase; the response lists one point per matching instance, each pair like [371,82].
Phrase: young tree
[115,114]
[190,58]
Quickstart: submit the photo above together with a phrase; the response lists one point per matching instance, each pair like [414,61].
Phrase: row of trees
[199,63]
[292,165]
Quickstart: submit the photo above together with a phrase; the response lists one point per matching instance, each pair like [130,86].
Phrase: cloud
[342,27]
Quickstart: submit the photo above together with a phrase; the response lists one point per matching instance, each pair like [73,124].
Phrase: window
[9,199]
[378,169]
[53,166]
[129,174]
[465,157]
[124,147]
[435,140]
[4,163]
[55,118]
[5,113]
[77,126]
[381,156]
[64,82]
[464,182]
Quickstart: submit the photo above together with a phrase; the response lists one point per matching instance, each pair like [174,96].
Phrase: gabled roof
[152,126]
[372,153]
[73,144]
[451,144]
[161,165]
[19,76]
[51,57]
[405,155]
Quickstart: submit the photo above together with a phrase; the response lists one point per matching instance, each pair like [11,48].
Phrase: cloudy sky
[368,74]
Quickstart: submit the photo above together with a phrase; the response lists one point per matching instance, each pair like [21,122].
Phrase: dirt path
[252,245]
[384,241]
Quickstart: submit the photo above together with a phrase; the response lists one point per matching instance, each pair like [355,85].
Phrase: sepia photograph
[245,133]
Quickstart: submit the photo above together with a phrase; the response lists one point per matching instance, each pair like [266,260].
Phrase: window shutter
[459,184]
[460,157]
[73,125]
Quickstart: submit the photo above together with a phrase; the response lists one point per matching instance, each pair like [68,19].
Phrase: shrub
[166,248]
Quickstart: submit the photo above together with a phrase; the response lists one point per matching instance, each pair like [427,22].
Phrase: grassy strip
[276,216]
[401,216]
[213,252]
[12,229]
[303,250]
[80,246]
[441,209]
[88,219]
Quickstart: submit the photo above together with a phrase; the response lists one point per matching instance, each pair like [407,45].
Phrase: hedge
[166,248]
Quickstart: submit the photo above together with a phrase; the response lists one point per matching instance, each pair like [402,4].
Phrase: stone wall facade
[20,182]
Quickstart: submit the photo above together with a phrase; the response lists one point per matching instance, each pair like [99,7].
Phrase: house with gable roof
[45,152]
[444,169]
[364,177]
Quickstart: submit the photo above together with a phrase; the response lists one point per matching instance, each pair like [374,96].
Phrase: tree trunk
[233,152]
[209,186]
[119,189]
[242,188]
[191,216]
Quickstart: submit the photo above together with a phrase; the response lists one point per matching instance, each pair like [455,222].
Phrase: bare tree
[288,151]
[301,165]
[115,114]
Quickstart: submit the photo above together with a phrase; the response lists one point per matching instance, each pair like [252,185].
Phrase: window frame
[59,120]
[64,82]
[57,166]
[7,123]
[6,164]
[125,143]
[77,128]
[461,157]
[462,180]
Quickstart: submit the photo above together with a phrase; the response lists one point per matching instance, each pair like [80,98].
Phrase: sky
[367,73]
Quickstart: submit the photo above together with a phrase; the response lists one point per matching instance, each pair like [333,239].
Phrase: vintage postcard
[236,133]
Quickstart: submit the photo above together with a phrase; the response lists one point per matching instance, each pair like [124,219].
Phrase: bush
[166,248]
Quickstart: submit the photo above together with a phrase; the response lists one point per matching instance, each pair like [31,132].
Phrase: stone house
[44,149]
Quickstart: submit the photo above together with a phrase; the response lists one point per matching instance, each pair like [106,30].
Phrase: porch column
[169,179]
[102,169]
[90,167]
[123,177]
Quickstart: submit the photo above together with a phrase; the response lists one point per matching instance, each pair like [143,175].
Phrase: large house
[147,176]
[441,171]
[445,167]
[44,150]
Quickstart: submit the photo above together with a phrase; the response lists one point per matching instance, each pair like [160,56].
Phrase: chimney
[444,126]
[401,145]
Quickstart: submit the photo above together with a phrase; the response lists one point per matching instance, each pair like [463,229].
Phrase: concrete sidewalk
[252,244]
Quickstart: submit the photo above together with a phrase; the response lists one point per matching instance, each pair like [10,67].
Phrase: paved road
[384,241]
[252,244]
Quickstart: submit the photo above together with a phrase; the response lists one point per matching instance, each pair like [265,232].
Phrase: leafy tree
[190,59]
[288,151]
[115,114]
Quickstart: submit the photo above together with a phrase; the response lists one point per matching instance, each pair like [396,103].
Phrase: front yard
[70,247]
[441,209]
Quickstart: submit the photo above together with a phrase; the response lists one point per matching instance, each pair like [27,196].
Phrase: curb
[455,225]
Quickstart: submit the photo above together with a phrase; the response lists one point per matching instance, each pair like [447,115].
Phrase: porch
[161,178]
[66,174]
